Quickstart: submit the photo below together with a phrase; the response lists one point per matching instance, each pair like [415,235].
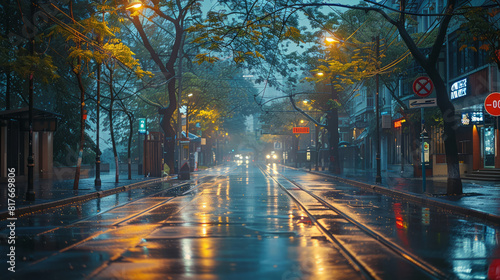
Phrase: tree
[429,63]
[173,17]
[481,29]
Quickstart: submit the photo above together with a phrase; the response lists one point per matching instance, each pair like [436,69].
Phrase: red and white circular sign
[423,86]
[492,104]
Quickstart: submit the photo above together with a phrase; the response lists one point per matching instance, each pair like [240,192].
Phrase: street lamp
[133,5]
[331,40]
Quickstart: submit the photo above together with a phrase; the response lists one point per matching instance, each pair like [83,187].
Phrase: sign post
[423,87]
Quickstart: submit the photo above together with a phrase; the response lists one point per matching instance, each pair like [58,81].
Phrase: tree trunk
[78,74]
[82,128]
[295,149]
[166,125]
[454,183]
[7,90]
[130,135]
[111,130]
[168,71]
[429,63]
[333,141]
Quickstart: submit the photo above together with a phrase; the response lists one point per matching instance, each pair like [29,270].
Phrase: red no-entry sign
[423,86]
[492,104]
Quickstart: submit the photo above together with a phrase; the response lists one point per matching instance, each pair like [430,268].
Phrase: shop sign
[472,118]
[458,89]
[399,122]
[301,129]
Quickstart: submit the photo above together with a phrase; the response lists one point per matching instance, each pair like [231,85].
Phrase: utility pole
[30,194]
[97,181]
[378,177]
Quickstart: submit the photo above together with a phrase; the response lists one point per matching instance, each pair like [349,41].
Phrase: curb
[70,200]
[415,198]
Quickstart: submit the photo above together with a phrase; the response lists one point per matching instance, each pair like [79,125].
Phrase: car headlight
[275,156]
[246,157]
[268,156]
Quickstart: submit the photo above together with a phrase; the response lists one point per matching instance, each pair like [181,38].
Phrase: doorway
[488,141]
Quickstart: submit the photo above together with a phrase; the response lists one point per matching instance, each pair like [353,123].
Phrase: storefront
[477,136]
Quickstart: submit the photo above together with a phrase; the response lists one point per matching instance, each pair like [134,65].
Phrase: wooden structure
[14,131]
[153,154]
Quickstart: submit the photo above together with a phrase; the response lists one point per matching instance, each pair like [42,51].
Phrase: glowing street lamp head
[134,5]
[331,40]
[320,74]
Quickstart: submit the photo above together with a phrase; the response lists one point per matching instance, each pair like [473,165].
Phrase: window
[465,60]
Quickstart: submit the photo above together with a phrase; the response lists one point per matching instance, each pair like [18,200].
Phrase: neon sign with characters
[472,118]
[458,89]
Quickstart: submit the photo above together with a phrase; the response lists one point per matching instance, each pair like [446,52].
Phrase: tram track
[347,251]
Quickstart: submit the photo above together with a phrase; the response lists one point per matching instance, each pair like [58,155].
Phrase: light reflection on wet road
[463,248]
[240,226]
[243,227]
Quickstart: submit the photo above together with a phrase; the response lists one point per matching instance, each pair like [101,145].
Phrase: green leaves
[43,66]
[481,31]
[293,34]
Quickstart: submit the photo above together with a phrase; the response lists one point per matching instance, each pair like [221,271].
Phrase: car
[271,158]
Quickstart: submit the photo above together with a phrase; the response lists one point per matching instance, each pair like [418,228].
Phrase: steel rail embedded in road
[364,270]
[358,264]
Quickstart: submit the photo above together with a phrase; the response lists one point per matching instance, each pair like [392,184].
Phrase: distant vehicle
[272,158]
[245,158]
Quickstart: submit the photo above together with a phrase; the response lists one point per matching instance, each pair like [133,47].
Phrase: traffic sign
[142,126]
[301,129]
[423,86]
[492,104]
[422,103]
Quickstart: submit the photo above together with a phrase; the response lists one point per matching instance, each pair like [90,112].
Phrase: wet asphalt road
[239,225]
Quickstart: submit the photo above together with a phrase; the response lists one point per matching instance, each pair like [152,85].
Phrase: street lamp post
[97,181]
[187,131]
[378,177]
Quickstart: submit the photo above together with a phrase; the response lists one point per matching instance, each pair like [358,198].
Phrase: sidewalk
[52,190]
[480,199]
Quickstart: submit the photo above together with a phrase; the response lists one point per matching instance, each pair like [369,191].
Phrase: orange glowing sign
[398,123]
[301,129]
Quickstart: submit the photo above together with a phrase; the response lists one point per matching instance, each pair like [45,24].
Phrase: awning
[42,120]
[23,113]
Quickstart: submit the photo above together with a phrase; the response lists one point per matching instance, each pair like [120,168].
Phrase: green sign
[142,126]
